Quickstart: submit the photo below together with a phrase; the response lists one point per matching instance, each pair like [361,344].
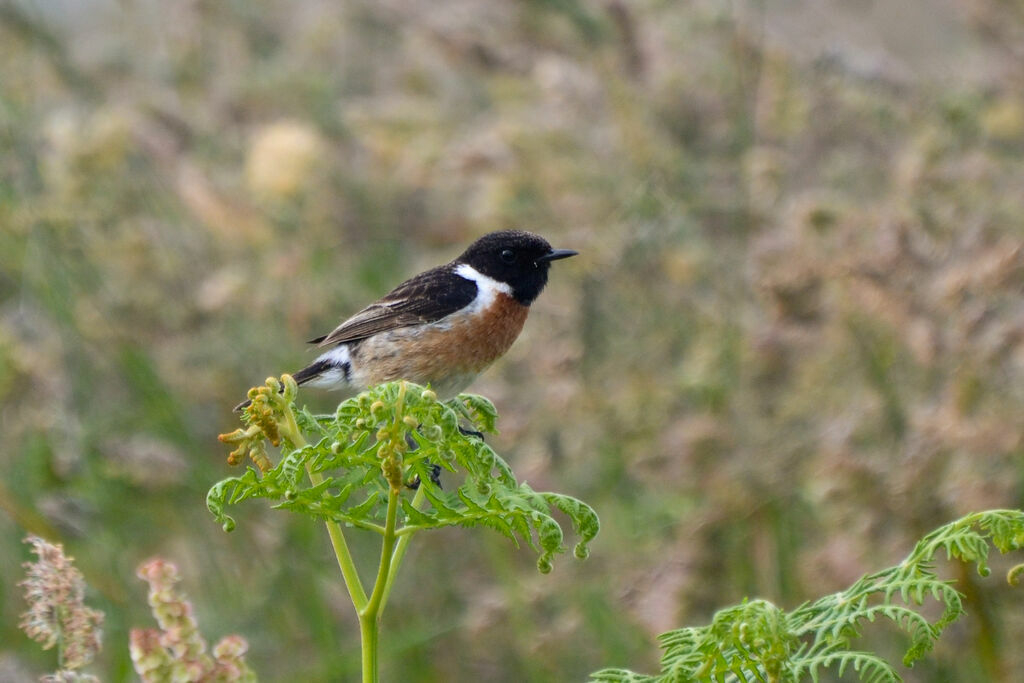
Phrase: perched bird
[442,327]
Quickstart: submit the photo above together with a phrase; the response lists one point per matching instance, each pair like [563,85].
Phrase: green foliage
[795,317]
[362,464]
[388,438]
[757,641]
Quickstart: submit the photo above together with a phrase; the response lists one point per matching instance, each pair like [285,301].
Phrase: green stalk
[400,548]
[290,430]
[391,553]
[369,632]
[369,616]
[341,551]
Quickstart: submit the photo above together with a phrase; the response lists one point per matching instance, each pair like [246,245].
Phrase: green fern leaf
[403,429]
[757,641]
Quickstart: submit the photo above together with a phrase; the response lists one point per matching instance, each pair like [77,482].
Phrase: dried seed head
[55,592]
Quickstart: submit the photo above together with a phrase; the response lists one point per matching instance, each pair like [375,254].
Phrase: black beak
[556,254]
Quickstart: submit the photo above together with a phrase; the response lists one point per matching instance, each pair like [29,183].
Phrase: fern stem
[291,431]
[369,616]
[341,551]
[400,548]
[369,632]
[386,556]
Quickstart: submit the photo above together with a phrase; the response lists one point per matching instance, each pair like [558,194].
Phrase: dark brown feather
[426,298]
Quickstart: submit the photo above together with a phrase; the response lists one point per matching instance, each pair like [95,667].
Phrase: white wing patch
[329,379]
[334,377]
[337,356]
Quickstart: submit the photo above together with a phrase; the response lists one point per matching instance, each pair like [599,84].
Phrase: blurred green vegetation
[792,344]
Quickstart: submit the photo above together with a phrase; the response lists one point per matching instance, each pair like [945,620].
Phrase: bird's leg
[471,432]
[435,470]
[435,477]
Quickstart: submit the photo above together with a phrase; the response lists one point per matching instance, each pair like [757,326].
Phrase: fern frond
[400,426]
[870,668]
[757,641]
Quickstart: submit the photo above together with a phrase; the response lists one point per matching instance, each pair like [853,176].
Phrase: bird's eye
[508,256]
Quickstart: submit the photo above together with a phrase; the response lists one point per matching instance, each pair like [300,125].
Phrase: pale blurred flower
[281,158]
[1003,121]
[178,651]
[80,143]
[57,614]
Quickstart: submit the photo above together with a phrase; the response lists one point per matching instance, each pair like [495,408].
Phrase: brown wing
[426,298]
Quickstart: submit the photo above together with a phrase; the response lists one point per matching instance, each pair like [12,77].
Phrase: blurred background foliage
[793,341]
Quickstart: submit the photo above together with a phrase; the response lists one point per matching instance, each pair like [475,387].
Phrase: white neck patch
[487,288]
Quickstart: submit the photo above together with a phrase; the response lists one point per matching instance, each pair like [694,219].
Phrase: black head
[519,259]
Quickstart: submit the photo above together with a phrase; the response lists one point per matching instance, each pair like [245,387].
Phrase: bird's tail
[311,372]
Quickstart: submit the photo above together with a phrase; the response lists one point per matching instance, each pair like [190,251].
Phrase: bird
[442,327]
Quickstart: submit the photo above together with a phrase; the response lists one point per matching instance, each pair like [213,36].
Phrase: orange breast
[460,345]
